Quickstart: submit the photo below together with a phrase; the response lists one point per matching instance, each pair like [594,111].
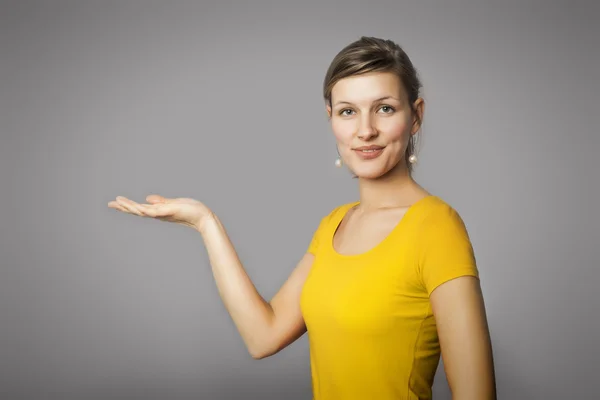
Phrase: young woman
[388,283]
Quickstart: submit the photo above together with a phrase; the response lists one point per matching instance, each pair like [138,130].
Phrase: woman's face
[372,122]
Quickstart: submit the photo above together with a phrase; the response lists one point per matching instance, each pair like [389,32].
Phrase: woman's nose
[366,129]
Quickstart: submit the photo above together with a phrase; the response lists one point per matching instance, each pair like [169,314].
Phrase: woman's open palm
[184,211]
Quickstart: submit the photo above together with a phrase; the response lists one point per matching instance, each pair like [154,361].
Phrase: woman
[388,283]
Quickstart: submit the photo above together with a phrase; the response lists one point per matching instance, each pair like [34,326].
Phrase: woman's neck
[395,189]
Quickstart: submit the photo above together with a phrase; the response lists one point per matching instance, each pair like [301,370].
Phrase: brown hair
[371,54]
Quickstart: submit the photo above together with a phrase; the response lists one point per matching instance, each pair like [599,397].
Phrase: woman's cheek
[396,129]
[343,131]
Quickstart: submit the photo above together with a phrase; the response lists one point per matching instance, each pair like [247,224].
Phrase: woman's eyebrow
[374,101]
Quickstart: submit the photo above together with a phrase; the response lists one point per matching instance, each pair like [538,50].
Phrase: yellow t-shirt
[371,330]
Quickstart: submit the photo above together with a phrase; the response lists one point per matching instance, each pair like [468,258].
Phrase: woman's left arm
[464,337]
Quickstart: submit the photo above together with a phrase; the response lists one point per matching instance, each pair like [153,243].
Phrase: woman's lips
[369,152]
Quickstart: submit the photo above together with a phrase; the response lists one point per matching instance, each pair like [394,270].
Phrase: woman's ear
[328,108]
[419,110]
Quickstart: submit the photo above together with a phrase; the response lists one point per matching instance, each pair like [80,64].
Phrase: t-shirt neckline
[344,211]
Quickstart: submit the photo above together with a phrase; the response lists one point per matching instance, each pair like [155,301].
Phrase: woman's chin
[369,173]
[373,171]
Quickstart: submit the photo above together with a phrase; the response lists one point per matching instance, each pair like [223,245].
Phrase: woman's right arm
[266,327]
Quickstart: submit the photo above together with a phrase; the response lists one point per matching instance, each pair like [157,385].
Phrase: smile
[369,153]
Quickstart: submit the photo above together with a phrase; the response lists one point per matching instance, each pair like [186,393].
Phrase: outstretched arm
[265,326]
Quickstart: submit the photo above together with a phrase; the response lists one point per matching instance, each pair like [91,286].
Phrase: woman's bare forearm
[251,313]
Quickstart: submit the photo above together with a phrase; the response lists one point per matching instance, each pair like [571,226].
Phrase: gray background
[222,102]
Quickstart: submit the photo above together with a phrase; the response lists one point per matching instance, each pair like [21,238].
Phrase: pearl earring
[412,159]
[338,162]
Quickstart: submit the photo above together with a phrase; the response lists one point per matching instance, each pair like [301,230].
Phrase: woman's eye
[387,109]
[345,112]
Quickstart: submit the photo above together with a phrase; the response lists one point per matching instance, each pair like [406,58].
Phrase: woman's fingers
[116,206]
[157,210]
[130,206]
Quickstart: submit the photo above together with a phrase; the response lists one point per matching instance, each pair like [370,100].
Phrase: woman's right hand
[183,211]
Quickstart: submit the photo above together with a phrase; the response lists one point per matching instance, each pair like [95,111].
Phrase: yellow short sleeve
[446,251]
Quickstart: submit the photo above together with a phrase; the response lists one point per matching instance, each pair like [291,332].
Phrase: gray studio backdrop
[221,101]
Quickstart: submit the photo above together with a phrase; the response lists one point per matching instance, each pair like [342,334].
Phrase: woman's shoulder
[436,210]
[337,211]
[327,222]
[437,205]
[431,209]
